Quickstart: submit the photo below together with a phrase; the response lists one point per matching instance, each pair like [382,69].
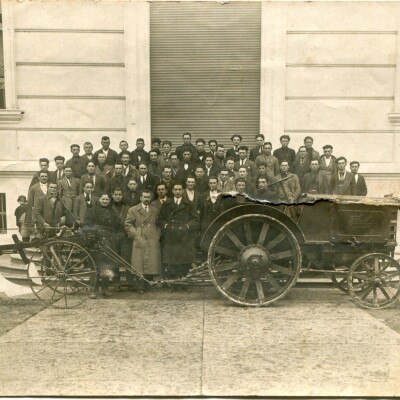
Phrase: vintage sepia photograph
[199,198]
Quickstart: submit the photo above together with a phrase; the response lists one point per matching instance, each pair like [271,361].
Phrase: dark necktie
[314,178]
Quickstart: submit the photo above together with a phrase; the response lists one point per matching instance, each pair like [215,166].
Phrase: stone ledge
[11,116]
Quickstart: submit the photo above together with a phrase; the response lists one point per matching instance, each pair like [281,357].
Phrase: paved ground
[313,342]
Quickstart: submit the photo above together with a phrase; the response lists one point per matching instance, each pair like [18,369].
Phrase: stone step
[18,279]
[17,259]
[13,268]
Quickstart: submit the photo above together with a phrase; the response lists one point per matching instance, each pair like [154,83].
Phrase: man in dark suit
[190,193]
[212,145]
[68,190]
[122,242]
[174,165]
[342,183]
[88,149]
[315,182]
[245,162]
[104,170]
[99,184]
[36,192]
[166,152]
[244,176]
[146,180]
[131,197]
[301,166]
[161,192]
[259,149]
[211,204]
[44,166]
[68,186]
[284,153]
[118,181]
[166,179]
[234,151]
[111,155]
[360,185]
[49,211]
[139,154]
[155,165]
[187,138]
[327,163]
[56,175]
[77,163]
[265,191]
[271,162]
[179,223]
[311,153]
[128,169]
[201,183]
[155,145]
[209,168]
[219,159]
[83,202]
[186,167]
[123,146]
[201,152]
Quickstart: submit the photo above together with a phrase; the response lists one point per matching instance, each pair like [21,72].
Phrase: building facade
[75,71]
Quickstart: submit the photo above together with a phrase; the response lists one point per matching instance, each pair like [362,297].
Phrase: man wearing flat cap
[234,151]
[327,163]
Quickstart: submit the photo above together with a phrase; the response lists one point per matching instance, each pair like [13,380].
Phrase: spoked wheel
[374,280]
[61,273]
[340,282]
[254,260]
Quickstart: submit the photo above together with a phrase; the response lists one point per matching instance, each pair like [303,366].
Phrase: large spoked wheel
[61,274]
[254,260]
[374,280]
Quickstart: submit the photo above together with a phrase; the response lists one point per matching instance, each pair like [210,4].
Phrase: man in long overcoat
[179,222]
[140,225]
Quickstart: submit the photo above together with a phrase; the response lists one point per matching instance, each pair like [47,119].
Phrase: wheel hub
[254,260]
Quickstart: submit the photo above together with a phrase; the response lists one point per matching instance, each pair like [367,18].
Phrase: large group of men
[152,206]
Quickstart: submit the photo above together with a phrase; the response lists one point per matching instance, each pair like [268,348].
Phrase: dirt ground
[14,311]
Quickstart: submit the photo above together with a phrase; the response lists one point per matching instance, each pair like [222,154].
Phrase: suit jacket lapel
[146,215]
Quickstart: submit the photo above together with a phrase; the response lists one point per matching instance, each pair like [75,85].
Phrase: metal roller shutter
[205,70]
